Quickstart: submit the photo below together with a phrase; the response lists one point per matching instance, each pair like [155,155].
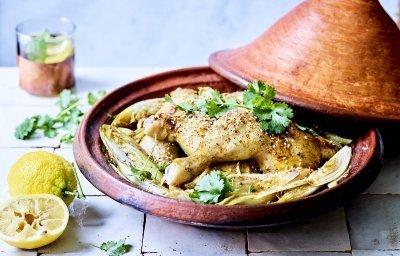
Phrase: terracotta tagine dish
[335,61]
[340,57]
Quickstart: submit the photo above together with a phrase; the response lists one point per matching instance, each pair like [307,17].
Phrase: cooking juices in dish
[46,56]
[240,148]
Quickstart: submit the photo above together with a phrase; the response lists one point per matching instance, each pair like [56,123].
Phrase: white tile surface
[323,233]
[374,222]
[87,187]
[375,253]
[19,253]
[96,220]
[162,236]
[301,254]
[192,254]
[12,116]
[388,181]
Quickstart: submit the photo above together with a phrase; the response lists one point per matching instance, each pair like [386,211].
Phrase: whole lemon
[41,172]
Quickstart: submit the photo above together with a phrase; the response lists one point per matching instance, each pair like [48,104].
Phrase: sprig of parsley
[67,119]
[114,248]
[211,189]
[274,117]
[93,98]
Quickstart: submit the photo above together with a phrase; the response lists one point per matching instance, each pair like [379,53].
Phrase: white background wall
[150,32]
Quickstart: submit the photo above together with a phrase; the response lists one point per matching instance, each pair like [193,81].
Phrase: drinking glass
[46,53]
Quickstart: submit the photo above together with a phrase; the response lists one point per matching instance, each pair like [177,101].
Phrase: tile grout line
[144,228]
[267,251]
[348,227]
[246,246]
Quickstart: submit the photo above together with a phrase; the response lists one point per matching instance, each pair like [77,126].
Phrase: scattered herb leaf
[211,189]
[93,98]
[68,138]
[114,248]
[26,129]
[68,118]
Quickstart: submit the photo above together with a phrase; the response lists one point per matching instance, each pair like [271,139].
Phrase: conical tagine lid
[339,57]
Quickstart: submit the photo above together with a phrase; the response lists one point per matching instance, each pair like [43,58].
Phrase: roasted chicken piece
[174,125]
[162,152]
[233,137]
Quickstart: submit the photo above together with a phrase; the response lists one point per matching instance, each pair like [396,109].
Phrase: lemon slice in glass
[58,52]
[32,221]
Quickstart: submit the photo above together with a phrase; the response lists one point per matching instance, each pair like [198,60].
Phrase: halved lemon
[32,221]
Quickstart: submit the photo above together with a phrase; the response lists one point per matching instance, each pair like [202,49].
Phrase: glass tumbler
[46,52]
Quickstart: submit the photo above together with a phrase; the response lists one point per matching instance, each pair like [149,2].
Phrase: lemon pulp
[32,221]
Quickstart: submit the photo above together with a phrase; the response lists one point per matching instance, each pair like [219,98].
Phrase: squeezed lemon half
[32,221]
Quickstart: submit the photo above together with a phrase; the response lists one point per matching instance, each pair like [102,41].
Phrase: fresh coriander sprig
[93,98]
[211,189]
[114,248]
[274,117]
[67,119]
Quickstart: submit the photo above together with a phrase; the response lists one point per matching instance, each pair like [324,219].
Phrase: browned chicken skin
[233,137]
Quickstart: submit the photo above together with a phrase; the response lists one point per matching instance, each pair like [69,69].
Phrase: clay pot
[92,161]
[339,57]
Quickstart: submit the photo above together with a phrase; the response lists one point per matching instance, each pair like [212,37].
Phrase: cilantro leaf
[251,188]
[162,168]
[140,174]
[67,138]
[66,99]
[307,129]
[26,129]
[211,189]
[107,245]
[115,248]
[187,107]
[68,118]
[93,98]
[274,117]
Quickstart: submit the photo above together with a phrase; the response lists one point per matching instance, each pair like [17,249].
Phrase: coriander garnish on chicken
[221,148]
[274,117]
